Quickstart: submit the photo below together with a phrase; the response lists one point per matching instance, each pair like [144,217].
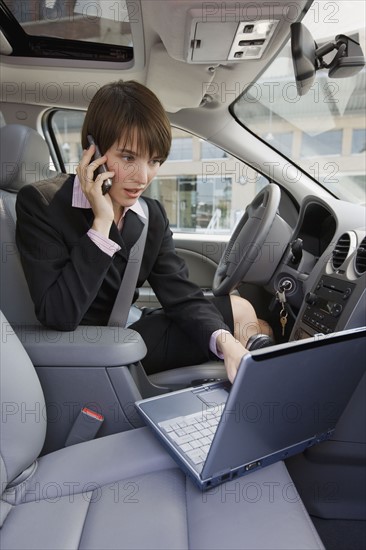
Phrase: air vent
[341,249]
[360,261]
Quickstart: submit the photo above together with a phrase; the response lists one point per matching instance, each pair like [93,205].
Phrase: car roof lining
[160,40]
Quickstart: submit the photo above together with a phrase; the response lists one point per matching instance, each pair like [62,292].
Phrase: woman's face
[133,169]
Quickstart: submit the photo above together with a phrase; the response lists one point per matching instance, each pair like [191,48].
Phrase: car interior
[265,192]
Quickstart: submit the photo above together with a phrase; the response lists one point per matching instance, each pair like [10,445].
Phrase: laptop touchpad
[214,398]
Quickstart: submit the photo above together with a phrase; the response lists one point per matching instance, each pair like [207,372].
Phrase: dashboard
[323,270]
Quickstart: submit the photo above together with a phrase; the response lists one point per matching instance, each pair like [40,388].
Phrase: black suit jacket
[73,282]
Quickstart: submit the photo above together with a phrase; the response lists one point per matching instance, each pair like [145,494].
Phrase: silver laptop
[284,399]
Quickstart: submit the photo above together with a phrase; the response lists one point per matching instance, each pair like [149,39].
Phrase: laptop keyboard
[194,433]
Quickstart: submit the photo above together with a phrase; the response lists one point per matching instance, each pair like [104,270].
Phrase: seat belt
[122,304]
[88,422]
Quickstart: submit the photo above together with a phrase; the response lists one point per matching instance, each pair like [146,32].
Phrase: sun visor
[177,84]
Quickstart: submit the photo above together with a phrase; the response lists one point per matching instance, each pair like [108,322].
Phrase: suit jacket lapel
[115,235]
[131,230]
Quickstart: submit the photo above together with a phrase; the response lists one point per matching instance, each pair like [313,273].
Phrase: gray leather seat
[123,490]
[24,159]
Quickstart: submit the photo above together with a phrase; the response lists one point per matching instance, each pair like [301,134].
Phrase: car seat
[124,491]
[24,159]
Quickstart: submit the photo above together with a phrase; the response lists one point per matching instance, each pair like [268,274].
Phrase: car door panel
[201,256]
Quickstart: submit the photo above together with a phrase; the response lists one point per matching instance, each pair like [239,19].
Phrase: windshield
[323,132]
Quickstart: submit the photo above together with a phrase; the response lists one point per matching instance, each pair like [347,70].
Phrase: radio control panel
[324,306]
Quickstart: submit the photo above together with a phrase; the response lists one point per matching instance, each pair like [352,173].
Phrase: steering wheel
[247,240]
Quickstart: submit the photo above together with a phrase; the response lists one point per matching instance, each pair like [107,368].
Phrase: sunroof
[84,29]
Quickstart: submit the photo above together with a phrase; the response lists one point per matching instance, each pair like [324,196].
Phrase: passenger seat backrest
[24,159]
[23,417]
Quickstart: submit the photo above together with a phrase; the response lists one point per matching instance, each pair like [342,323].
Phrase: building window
[325,144]
[281,141]
[210,151]
[358,141]
[182,149]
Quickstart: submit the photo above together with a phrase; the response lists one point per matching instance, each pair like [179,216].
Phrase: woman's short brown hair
[120,109]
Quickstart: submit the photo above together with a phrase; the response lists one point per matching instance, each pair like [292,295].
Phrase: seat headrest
[24,157]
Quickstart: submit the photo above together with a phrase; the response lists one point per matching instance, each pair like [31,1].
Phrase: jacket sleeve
[63,277]
[182,300]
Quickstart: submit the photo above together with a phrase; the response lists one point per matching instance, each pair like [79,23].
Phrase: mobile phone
[107,184]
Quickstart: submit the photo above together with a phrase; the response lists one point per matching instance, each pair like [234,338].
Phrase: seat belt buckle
[85,427]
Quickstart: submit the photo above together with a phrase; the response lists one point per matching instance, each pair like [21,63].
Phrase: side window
[66,129]
[203,189]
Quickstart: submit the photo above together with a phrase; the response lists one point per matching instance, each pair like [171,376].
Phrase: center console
[326,303]
[337,298]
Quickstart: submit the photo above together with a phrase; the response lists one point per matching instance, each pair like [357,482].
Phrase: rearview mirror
[308,58]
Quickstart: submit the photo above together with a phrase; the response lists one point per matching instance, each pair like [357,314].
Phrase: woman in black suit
[74,242]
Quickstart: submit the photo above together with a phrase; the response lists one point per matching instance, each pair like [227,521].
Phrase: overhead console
[222,32]
[199,41]
[219,37]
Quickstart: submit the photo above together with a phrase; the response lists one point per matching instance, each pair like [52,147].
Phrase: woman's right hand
[101,205]
[233,352]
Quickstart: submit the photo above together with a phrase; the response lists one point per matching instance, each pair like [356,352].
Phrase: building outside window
[328,144]
[210,151]
[358,141]
[182,149]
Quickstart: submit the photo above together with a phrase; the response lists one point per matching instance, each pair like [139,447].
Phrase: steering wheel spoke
[247,240]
